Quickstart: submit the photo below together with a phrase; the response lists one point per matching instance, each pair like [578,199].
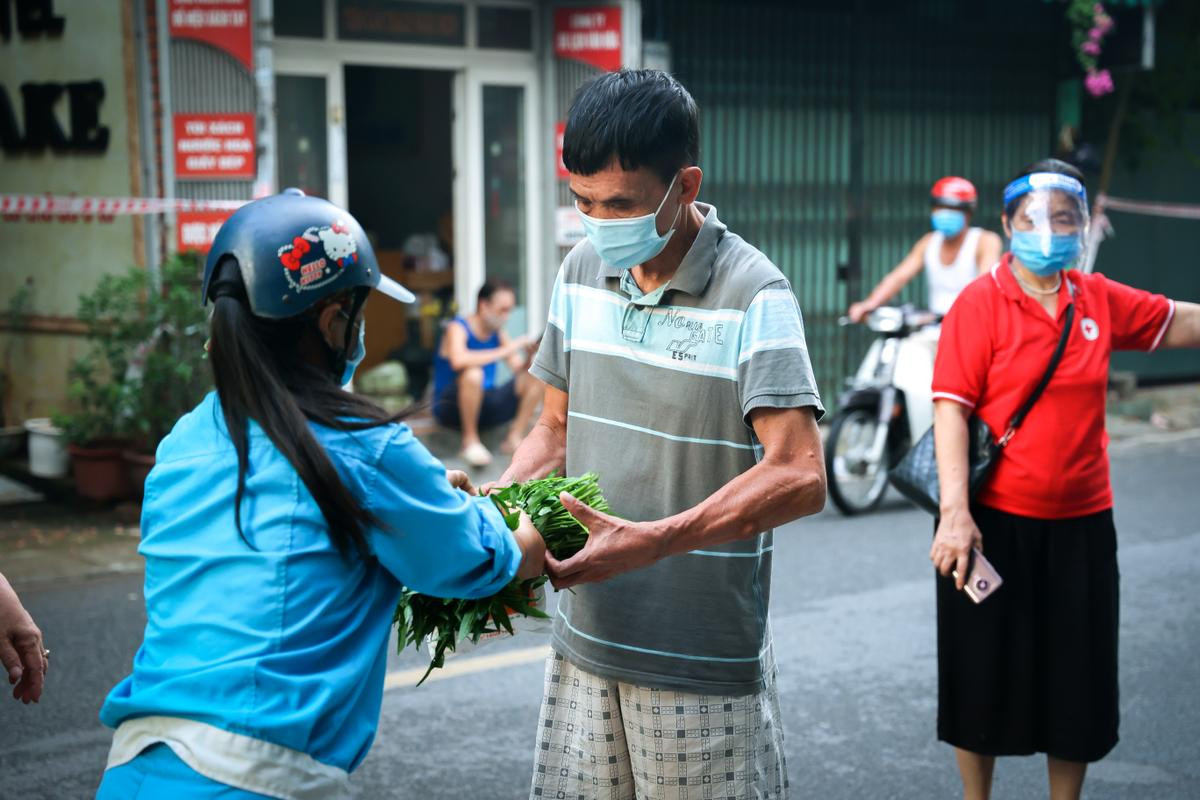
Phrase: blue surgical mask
[1046,257]
[948,222]
[625,243]
[356,355]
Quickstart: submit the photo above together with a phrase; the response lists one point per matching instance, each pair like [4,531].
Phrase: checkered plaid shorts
[601,739]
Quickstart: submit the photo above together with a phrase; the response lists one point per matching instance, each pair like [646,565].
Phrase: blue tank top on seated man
[443,373]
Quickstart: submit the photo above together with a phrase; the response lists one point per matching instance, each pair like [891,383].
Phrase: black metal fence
[825,123]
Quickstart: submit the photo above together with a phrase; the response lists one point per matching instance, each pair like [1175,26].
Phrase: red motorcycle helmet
[954,192]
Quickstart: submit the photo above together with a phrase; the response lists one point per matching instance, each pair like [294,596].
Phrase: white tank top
[945,281]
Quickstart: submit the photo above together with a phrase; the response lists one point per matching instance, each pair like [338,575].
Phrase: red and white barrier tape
[1102,228]
[1153,209]
[70,206]
[47,205]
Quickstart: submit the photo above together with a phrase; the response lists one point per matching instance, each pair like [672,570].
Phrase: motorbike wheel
[856,485]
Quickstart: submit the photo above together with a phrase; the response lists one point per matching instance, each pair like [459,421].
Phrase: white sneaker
[477,455]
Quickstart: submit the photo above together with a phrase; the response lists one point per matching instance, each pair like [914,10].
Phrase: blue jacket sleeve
[435,539]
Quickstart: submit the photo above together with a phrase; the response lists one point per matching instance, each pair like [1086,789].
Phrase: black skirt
[1033,668]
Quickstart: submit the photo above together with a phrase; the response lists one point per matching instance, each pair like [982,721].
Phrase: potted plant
[167,375]
[143,370]
[12,434]
[113,317]
[92,431]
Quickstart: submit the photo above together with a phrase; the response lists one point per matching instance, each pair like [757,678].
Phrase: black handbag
[916,476]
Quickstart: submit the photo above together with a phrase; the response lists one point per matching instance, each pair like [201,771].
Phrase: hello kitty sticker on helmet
[338,249]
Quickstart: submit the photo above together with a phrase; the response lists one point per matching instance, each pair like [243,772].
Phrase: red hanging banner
[214,146]
[560,130]
[195,230]
[224,24]
[591,35]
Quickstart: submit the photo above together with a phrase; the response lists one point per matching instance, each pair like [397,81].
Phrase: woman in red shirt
[1033,668]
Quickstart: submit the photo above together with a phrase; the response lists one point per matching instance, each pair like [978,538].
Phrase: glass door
[504,191]
[310,138]
[498,191]
[302,150]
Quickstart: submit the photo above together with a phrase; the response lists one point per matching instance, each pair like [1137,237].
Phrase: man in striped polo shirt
[675,367]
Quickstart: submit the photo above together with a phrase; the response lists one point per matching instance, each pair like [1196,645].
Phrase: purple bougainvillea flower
[1098,83]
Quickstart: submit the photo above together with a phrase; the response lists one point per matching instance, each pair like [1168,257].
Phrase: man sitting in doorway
[465,394]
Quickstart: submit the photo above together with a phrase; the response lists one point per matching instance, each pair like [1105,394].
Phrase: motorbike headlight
[886,320]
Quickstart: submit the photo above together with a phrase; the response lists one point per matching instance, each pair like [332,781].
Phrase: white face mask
[494,322]
[625,243]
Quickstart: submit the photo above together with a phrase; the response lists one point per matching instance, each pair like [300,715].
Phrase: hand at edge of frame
[21,650]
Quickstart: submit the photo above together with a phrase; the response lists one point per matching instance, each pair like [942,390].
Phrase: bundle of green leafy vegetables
[446,621]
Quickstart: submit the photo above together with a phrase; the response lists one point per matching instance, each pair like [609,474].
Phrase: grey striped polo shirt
[660,386]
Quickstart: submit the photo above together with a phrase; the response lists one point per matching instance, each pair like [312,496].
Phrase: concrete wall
[39,372]
[64,258]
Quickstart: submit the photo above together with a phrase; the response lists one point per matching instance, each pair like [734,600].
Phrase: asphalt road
[853,623]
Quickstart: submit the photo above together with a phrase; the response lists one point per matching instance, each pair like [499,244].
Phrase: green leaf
[468,623]
[500,615]
[450,621]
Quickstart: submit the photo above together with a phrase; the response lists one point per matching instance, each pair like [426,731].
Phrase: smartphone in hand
[982,578]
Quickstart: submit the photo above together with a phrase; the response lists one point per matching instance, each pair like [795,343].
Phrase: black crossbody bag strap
[1023,411]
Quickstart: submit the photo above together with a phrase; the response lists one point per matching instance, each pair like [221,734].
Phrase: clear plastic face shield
[1048,221]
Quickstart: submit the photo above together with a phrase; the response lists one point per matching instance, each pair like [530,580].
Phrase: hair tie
[227,289]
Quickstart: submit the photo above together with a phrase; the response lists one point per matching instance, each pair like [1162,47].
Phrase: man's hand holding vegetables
[788,483]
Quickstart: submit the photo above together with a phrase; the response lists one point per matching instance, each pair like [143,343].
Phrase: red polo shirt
[995,344]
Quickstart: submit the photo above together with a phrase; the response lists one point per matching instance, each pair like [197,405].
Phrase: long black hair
[262,373]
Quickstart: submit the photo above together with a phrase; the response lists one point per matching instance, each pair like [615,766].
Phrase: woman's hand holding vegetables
[533,546]
[539,522]
[492,486]
[461,480]
[956,535]
[533,549]
[613,546]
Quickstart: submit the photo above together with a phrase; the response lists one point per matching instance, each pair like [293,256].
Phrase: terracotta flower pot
[99,471]
[137,467]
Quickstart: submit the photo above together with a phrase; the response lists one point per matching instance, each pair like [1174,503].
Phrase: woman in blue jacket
[280,521]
